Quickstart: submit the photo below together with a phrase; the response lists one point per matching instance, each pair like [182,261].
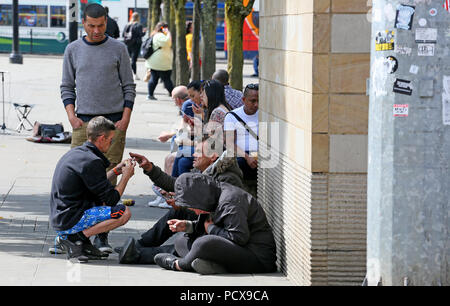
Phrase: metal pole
[15,57]
[409,131]
[73,20]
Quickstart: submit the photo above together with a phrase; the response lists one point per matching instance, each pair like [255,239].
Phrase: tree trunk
[195,73]
[173,31]
[166,11]
[149,17]
[209,23]
[235,14]
[181,54]
[156,13]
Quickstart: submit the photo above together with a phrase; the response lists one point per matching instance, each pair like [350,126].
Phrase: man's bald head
[179,95]
[221,76]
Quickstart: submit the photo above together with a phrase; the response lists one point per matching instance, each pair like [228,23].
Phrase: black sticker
[403,87]
[404,17]
[392,63]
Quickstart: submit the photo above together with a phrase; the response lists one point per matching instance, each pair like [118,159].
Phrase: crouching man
[83,202]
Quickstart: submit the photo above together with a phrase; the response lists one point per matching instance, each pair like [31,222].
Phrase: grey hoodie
[237,216]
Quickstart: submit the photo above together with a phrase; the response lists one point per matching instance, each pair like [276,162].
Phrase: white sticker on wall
[401,110]
[426,35]
[414,69]
[425,49]
[446,109]
[446,81]
[422,22]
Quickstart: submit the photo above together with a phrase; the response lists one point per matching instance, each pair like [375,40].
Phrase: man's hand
[75,122]
[176,225]
[122,124]
[128,168]
[207,223]
[142,161]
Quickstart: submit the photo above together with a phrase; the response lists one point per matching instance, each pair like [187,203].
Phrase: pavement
[25,183]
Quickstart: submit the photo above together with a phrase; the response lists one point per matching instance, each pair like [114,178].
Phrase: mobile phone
[167,196]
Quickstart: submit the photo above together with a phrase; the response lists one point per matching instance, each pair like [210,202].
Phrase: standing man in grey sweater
[98,81]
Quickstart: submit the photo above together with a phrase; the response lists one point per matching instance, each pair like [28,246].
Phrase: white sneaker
[164,205]
[136,77]
[156,202]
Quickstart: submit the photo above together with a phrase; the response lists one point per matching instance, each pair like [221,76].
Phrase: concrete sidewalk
[25,183]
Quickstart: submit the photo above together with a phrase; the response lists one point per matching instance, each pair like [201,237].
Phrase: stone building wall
[314,62]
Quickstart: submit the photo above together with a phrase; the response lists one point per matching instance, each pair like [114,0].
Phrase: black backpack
[147,48]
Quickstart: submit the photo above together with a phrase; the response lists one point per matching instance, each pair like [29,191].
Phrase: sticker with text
[401,110]
[403,87]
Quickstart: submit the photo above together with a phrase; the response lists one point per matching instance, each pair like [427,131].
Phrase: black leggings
[133,51]
[234,258]
[165,76]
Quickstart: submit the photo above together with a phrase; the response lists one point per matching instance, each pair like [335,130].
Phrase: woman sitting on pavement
[231,236]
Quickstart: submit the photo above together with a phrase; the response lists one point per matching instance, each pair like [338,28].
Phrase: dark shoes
[77,246]
[206,267]
[150,97]
[101,243]
[166,261]
[74,249]
[129,254]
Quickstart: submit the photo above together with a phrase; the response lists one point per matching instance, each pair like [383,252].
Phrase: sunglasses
[252,87]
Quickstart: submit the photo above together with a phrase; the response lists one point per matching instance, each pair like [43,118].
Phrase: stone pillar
[314,57]
[409,145]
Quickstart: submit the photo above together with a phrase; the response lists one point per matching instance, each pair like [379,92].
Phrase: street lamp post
[15,57]
[73,20]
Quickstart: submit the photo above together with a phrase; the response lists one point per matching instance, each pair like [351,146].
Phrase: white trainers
[136,77]
[156,202]
[164,205]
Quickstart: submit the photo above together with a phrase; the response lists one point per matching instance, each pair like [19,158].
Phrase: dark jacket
[112,29]
[79,183]
[224,169]
[237,216]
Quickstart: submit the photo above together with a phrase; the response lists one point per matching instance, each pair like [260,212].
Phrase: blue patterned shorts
[90,218]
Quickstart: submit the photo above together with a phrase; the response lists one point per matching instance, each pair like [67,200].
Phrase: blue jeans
[184,160]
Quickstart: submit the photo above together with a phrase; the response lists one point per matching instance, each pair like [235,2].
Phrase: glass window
[5,14]
[143,15]
[33,15]
[58,16]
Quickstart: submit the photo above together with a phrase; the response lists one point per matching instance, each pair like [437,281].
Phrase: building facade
[314,65]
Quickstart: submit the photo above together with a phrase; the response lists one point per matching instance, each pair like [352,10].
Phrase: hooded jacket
[236,215]
[224,169]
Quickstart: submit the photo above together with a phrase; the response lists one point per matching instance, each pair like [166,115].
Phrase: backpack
[147,48]
[128,35]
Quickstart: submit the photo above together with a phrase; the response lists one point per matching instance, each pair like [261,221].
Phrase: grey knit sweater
[98,77]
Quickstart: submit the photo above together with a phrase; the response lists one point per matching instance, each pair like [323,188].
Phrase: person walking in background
[132,37]
[160,63]
[98,80]
[112,29]
[189,42]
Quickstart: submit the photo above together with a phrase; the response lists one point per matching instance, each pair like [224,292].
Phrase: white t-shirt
[244,140]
